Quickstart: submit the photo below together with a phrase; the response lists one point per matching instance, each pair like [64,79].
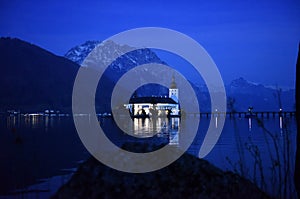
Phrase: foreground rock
[188,177]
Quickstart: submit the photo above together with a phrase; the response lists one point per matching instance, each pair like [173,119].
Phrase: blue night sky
[257,40]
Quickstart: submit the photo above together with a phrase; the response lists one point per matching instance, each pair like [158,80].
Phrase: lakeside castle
[156,105]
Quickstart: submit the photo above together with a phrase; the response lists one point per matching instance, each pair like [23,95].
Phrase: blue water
[41,147]
[32,149]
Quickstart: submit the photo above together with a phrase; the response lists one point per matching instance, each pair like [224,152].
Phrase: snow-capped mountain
[244,93]
[112,54]
[78,53]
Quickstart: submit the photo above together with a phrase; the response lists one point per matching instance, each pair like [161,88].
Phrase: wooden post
[297,162]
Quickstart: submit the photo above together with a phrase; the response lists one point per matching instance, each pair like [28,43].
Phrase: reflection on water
[30,121]
[250,123]
[174,131]
[280,124]
[11,122]
[34,146]
[160,127]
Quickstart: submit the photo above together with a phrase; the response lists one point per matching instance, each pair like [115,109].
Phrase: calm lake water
[38,153]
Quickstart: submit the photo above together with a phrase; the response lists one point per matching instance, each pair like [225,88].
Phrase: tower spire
[173,90]
[173,84]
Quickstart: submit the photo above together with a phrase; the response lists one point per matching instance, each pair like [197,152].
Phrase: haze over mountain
[260,97]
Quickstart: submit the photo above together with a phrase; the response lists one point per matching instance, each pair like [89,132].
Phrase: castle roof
[152,100]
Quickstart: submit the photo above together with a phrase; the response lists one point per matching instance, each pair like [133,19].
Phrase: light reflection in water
[160,127]
[34,121]
[29,121]
[46,123]
[280,124]
[11,122]
[250,123]
[174,131]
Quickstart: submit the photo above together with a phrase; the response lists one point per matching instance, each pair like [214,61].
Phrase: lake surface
[43,150]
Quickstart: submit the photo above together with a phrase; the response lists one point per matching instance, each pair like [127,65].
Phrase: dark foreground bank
[188,177]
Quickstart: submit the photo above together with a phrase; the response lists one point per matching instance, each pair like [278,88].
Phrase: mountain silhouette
[33,79]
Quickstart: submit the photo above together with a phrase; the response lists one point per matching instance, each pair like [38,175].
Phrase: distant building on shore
[156,106]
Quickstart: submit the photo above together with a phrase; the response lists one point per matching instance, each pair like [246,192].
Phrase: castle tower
[173,90]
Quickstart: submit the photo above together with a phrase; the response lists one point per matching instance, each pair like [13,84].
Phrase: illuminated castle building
[156,106]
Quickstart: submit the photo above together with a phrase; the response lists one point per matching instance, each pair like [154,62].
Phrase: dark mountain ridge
[240,91]
[33,79]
